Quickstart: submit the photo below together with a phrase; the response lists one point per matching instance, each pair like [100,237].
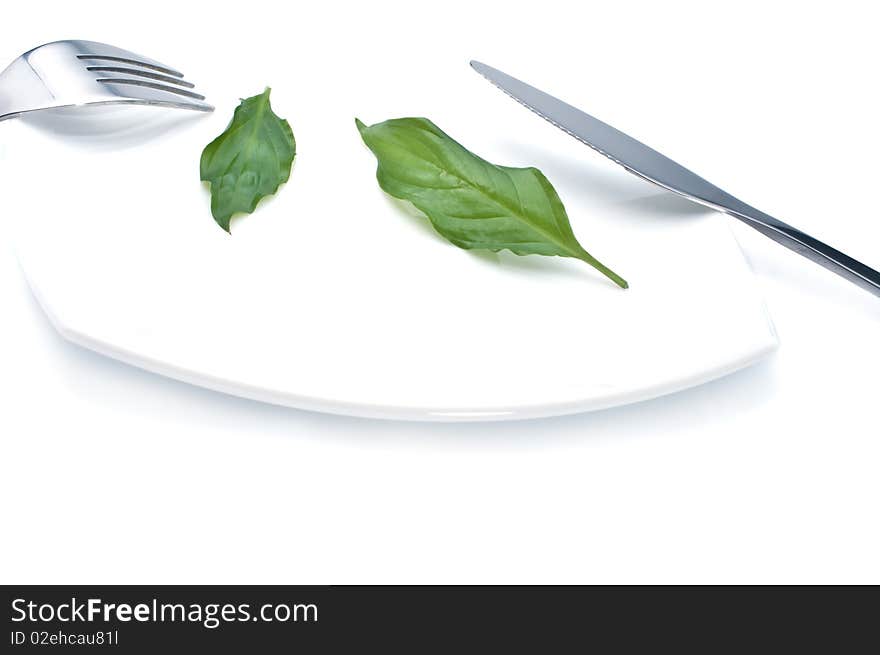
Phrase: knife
[657,168]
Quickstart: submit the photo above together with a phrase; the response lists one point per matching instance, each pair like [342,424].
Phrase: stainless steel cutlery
[80,73]
[654,167]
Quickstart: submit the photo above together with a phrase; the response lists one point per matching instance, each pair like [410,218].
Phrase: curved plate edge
[389,412]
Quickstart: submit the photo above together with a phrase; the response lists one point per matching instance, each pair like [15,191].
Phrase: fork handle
[816,251]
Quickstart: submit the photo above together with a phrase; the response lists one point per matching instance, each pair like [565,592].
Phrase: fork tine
[109,53]
[160,68]
[152,85]
[159,77]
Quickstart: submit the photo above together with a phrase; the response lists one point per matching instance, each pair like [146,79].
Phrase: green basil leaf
[469,201]
[249,161]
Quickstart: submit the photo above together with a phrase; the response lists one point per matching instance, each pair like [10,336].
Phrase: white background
[108,474]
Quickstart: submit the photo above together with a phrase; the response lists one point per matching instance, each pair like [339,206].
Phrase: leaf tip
[223,222]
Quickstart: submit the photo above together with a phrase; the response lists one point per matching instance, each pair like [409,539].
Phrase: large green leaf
[249,161]
[471,202]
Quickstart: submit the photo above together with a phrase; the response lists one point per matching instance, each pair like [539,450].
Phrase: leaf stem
[607,272]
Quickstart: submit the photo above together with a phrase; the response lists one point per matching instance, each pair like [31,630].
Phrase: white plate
[333,297]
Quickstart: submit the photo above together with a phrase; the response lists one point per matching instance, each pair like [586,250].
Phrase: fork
[78,73]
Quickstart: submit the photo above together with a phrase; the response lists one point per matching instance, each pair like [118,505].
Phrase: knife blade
[633,155]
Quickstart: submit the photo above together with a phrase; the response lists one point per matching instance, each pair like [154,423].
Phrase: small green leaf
[249,161]
[469,201]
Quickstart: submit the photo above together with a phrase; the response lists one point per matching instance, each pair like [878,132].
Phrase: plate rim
[402,413]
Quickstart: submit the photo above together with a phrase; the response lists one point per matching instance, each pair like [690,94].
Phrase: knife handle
[816,251]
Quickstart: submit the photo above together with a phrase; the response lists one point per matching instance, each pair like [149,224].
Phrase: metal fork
[79,73]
